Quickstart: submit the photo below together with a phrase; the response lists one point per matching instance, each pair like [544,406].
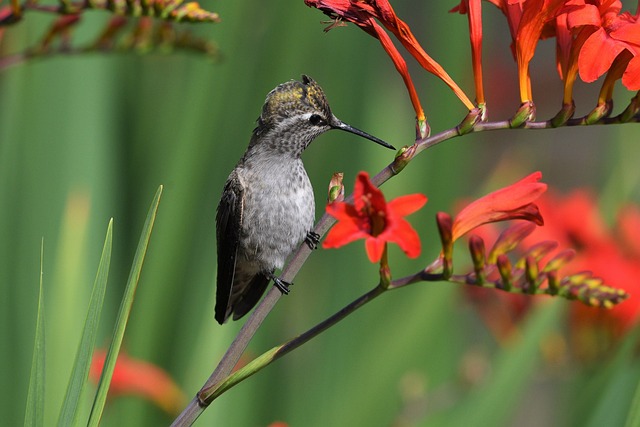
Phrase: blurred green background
[87,138]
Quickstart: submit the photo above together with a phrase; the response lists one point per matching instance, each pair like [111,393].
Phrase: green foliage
[35,399]
[123,314]
[86,138]
[80,372]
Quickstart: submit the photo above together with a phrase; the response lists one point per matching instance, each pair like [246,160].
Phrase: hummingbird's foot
[312,240]
[282,285]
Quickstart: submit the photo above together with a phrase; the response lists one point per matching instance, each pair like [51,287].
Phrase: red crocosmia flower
[370,217]
[629,229]
[364,14]
[140,378]
[607,33]
[574,221]
[527,19]
[474,9]
[535,15]
[512,202]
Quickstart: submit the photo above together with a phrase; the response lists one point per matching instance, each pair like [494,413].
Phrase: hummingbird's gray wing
[228,226]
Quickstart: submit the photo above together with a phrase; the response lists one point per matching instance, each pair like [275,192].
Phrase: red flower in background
[370,217]
[574,221]
[140,378]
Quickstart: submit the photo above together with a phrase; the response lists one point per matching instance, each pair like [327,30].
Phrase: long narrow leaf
[123,314]
[34,415]
[80,372]
[633,418]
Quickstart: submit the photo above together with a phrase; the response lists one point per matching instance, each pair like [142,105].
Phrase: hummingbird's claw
[282,285]
[312,240]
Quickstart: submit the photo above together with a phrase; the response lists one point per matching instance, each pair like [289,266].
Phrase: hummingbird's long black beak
[343,126]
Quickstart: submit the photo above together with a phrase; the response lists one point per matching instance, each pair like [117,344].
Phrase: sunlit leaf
[123,314]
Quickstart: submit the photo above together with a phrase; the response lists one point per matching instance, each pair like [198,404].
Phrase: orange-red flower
[364,14]
[370,217]
[140,378]
[473,8]
[527,21]
[512,202]
[575,221]
[613,33]
[535,15]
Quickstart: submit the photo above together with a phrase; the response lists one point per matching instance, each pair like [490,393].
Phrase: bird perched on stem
[267,206]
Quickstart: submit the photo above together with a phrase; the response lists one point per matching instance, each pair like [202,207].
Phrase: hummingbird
[267,206]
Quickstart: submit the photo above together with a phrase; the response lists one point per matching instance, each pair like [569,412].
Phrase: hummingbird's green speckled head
[294,114]
[293,99]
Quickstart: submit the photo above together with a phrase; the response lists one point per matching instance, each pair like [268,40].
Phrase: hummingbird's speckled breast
[279,209]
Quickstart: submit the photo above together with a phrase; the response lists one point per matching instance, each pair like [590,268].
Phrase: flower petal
[405,236]
[597,55]
[512,202]
[366,194]
[342,233]
[406,205]
[631,76]
[375,248]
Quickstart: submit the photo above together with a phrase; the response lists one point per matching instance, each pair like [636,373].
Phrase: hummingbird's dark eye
[316,120]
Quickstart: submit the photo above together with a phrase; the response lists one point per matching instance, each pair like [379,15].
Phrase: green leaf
[34,415]
[123,314]
[633,418]
[80,372]
[613,387]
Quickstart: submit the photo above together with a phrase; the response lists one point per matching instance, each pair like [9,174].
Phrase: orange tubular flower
[527,19]
[535,14]
[140,378]
[364,14]
[512,202]
[473,8]
[370,217]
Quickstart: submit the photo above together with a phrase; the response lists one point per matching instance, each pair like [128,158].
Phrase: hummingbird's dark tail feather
[251,295]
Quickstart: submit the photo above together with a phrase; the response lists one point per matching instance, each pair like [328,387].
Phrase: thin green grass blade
[123,314]
[616,394]
[633,418]
[80,372]
[34,414]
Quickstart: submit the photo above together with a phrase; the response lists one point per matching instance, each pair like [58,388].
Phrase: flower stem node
[601,111]
[385,271]
[423,130]
[632,109]
[336,188]
[526,113]
[403,157]
[474,117]
[564,115]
